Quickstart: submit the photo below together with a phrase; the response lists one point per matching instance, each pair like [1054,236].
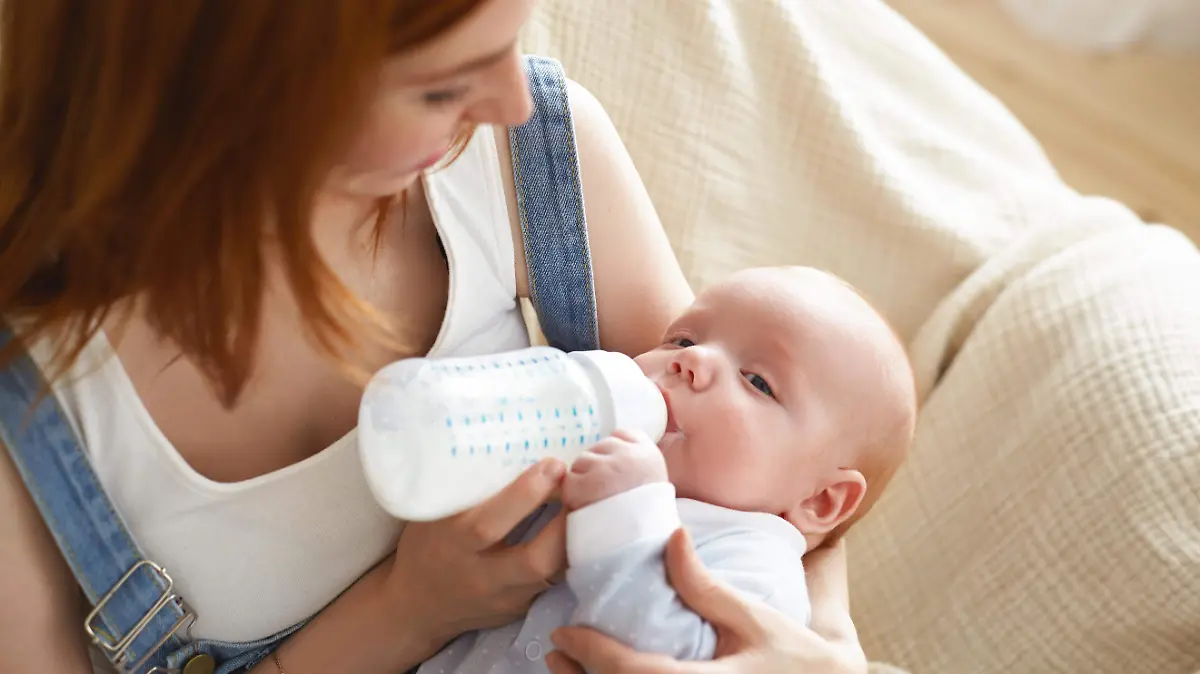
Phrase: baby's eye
[759,383]
[683,342]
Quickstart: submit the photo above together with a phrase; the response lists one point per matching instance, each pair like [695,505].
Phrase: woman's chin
[376,185]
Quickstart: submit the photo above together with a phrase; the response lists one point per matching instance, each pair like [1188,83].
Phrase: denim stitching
[581,220]
[523,216]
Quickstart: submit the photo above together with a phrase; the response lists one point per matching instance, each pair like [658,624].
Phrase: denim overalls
[138,619]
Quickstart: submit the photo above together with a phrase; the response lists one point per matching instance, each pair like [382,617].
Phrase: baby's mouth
[672,426]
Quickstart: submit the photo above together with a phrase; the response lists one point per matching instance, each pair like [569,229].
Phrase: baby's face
[763,377]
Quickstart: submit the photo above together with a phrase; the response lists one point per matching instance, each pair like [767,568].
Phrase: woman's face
[471,75]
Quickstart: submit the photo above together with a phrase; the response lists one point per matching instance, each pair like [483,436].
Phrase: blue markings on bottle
[497,410]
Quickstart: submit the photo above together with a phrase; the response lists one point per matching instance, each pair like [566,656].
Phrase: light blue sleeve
[618,575]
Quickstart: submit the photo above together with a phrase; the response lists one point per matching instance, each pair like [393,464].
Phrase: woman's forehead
[485,35]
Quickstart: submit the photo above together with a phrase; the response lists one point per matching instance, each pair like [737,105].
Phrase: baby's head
[787,393]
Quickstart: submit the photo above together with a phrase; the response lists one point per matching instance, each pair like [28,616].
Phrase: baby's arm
[616,571]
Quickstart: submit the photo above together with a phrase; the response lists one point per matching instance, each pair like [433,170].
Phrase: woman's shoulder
[639,286]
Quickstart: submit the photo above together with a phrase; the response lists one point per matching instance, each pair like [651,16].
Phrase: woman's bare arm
[41,625]
[639,286]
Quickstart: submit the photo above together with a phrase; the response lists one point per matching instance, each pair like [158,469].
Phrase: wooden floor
[1125,125]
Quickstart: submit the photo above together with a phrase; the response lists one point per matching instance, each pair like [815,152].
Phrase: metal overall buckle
[117,650]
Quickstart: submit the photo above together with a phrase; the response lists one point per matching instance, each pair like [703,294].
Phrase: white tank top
[257,556]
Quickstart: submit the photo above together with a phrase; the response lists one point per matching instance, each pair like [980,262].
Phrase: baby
[790,405]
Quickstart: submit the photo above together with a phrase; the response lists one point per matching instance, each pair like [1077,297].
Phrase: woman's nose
[508,102]
[696,366]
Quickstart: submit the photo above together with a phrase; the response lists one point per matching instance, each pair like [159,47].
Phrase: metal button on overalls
[201,664]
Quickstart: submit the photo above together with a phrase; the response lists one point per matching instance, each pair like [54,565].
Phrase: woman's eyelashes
[442,97]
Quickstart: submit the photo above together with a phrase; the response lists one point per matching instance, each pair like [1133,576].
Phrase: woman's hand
[753,637]
[458,575]
[445,578]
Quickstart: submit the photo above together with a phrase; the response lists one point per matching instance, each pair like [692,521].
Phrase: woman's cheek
[386,145]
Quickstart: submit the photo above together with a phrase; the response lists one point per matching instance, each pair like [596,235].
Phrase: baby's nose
[694,368]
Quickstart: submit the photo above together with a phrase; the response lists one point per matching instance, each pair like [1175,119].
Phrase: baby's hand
[619,463]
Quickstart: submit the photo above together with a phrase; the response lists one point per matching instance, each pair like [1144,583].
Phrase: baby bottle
[438,436]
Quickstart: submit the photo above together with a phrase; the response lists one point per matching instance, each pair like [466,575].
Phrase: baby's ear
[833,504]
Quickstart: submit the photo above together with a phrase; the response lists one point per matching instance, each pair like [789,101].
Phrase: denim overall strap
[136,611]
[550,204]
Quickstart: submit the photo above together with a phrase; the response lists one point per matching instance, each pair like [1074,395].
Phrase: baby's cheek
[736,469]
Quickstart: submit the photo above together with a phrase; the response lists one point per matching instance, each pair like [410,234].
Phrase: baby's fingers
[586,462]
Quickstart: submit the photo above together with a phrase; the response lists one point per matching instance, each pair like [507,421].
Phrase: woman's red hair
[150,150]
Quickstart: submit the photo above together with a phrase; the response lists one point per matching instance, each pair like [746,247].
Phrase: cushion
[1048,519]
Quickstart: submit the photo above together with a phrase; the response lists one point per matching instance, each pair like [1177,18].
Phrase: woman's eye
[759,383]
[443,97]
[684,342]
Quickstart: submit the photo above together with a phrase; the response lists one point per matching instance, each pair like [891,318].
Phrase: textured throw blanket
[1049,518]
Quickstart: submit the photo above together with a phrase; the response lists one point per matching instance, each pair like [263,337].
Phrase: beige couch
[1049,518]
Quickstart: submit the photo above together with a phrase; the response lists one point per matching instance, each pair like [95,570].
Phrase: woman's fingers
[599,654]
[713,600]
[558,663]
[829,593]
[825,568]
[538,561]
[489,522]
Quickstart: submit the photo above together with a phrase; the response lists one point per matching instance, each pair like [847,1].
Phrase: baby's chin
[671,446]
[689,479]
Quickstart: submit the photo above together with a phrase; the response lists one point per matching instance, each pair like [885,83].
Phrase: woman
[201,242]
